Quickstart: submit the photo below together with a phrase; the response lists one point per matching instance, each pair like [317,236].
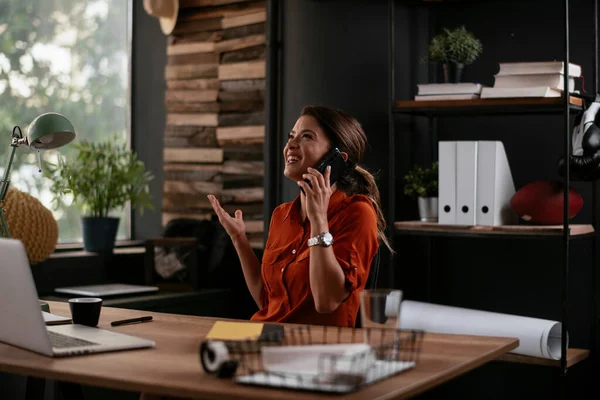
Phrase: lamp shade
[49,131]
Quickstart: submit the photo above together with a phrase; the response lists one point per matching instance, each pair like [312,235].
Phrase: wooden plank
[254,95]
[245,195]
[527,230]
[243,70]
[207,3]
[208,119]
[241,135]
[227,11]
[187,27]
[244,153]
[190,48]
[242,105]
[176,202]
[191,96]
[194,58]
[176,72]
[244,30]
[240,43]
[179,107]
[241,181]
[193,172]
[193,84]
[248,54]
[242,85]
[574,356]
[242,20]
[200,188]
[169,216]
[195,37]
[191,131]
[244,167]
[205,155]
[241,119]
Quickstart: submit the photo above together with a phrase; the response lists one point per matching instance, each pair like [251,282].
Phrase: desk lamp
[47,131]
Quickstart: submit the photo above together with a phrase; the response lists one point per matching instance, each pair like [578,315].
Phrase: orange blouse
[286,295]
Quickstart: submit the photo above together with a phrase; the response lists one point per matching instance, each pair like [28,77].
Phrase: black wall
[335,53]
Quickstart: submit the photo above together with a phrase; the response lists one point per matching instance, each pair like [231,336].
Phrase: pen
[131,321]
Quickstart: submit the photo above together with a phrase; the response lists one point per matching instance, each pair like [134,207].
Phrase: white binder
[495,186]
[466,182]
[447,182]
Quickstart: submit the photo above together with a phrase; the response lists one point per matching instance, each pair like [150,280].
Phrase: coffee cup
[85,310]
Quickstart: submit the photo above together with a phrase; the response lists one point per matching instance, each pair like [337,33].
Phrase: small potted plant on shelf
[454,49]
[102,178]
[422,184]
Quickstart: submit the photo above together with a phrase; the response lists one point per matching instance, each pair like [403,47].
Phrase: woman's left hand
[317,197]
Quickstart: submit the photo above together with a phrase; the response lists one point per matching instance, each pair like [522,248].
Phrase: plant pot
[453,72]
[99,233]
[428,209]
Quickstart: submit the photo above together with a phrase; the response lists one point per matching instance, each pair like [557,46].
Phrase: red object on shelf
[541,202]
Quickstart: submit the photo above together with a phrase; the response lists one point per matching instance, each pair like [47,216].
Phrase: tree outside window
[70,57]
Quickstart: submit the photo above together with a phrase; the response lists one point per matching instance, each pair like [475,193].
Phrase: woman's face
[307,145]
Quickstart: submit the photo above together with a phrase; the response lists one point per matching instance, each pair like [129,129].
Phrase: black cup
[85,310]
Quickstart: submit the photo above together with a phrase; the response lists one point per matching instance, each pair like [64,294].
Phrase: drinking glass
[380,318]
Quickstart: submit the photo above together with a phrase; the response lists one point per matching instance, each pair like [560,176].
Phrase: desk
[174,368]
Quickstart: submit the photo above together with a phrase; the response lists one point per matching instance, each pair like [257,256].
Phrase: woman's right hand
[234,227]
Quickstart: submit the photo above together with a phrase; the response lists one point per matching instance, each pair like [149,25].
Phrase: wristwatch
[324,239]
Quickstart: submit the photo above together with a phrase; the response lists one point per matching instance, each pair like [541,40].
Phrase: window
[70,57]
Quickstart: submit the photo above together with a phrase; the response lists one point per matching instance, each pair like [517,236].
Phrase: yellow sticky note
[226,330]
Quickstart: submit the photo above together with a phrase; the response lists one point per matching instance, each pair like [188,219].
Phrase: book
[239,336]
[542,91]
[543,67]
[440,97]
[449,88]
[53,319]
[554,81]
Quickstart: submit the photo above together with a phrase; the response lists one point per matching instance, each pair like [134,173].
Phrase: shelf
[574,356]
[517,231]
[526,105]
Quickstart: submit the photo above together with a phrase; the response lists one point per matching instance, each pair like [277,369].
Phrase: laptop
[106,290]
[22,323]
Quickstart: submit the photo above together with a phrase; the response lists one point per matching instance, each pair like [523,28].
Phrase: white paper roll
[213,354]
[537,337]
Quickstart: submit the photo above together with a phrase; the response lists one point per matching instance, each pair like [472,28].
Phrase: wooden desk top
[173,367]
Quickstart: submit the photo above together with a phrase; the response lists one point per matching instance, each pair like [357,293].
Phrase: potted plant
[454,49]
[102,178]
[422,184]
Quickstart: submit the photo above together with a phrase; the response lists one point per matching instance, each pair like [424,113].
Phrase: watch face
[327,239]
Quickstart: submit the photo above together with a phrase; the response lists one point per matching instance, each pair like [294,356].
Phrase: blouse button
[294,251]
[282,269]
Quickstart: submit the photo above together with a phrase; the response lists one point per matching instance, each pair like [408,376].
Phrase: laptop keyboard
[61,341]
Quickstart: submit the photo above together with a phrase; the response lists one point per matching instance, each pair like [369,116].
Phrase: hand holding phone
[338,166]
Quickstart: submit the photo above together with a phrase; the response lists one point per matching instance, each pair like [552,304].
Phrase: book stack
[531,79]
[448,91]
[215,128]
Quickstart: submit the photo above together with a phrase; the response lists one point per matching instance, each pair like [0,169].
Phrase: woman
[303,277]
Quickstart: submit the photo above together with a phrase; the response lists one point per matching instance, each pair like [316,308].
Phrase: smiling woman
[71,57]
[321,244]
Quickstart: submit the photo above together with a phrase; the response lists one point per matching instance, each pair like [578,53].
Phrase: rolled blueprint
[537,337]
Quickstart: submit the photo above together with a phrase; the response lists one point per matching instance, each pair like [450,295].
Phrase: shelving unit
[565,233]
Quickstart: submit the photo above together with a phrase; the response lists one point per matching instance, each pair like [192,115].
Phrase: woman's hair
[347,134]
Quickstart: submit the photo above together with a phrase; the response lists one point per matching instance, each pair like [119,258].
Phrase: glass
[380,318]
[71,57]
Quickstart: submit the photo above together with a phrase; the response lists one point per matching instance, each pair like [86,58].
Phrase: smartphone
[338,165]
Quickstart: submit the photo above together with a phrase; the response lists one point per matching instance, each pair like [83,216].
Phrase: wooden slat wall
[214,99]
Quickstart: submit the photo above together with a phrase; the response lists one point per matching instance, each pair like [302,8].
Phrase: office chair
[371,281]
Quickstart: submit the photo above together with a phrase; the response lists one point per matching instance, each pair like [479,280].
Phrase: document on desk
[537,337]
[53,319]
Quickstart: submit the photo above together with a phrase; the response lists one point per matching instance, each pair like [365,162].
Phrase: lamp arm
[17,140]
